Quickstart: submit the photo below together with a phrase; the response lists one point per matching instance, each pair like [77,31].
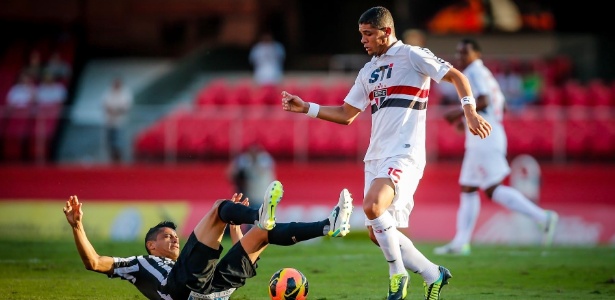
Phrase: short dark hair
[472,42]
[153,232]
[378,16]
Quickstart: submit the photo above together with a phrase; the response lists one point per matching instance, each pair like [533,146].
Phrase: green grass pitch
[346,268]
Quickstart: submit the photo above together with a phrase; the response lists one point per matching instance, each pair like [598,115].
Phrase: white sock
[415,261]
[385,232]
[515,201]
[467,213]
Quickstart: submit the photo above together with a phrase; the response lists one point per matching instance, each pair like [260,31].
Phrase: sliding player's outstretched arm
[91,260]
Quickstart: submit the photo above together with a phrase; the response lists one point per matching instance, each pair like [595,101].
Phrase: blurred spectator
[415,37]
[22,93]
[251,172]
[50,91]
[59,68]
[532,82]
[267,56]
[34,66]
[511,84]
[117,103]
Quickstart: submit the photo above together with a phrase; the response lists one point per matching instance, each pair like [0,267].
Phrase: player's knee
[489,191]
[372,210]
[468,189]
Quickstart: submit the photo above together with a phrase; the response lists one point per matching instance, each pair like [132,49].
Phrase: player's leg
[381,179]
[239,264]
[469,208]
[403,204]
[210,229]
[514,200]
[496,169]
[336,225]
[434,276]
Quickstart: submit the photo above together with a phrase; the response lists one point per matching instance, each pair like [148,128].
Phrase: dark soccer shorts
[200,269]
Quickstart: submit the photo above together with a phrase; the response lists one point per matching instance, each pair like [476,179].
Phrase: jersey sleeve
[125,268]
[425,62]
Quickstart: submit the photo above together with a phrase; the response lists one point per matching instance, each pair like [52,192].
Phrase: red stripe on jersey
[404,90]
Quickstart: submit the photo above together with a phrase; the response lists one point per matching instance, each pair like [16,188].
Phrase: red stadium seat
[602,139]
[327,140]
[551,95]
[336,93]
[276,134]
[214,93]
[46,120]
[267,95]
[15,136]
[575,94]
[240,93]
[599,93]
[450,142]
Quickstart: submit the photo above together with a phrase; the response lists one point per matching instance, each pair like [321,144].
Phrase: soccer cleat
[432,291]
[266,214]
[450,249]
[398,287]
[549,233]
[339,219]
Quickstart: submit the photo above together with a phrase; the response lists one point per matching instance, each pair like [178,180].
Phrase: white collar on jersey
[391,51]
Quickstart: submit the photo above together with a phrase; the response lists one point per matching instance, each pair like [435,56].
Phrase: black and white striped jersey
[146,272]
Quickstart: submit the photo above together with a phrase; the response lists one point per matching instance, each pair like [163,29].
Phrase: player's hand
[293,103]
[477,124]
[237,199]
[72,211]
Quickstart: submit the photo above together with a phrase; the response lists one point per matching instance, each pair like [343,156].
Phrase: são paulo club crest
[380,95]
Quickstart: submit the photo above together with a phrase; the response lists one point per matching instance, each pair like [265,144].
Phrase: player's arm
[455,115]
[343,114]
[476,124]
[91,260]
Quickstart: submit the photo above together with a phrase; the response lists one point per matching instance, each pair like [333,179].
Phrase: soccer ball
[288,284]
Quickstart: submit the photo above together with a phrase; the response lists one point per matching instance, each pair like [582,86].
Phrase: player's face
[374,40]
[465,55]
[167,244]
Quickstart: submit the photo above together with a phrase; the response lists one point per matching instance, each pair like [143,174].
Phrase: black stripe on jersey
[400,102]
[146,273]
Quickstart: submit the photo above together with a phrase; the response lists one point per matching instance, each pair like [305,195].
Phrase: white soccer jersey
[395,86]
[483,82]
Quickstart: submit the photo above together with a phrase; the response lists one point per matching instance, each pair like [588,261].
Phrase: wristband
[313,110]
[468,100]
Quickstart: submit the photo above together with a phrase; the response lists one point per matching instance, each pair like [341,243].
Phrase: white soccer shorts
[483,168]
[405,174]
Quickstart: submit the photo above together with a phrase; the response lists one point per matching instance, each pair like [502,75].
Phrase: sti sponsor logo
[381,73]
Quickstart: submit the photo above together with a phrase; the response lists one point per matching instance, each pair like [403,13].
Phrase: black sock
[237,214]
[286,234]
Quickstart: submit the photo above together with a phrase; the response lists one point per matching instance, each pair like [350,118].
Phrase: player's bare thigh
[378,198]
[210,230]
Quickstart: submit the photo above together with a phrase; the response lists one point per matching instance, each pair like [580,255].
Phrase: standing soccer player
[484,164]
[395,85]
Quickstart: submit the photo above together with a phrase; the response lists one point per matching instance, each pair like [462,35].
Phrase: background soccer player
[484,163]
